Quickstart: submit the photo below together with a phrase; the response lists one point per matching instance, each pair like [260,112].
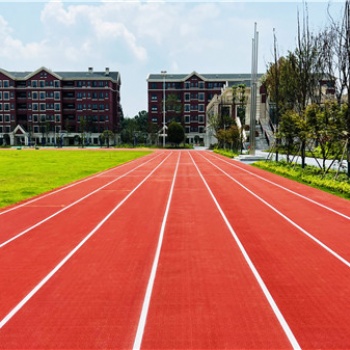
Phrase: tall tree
[176,133]
[337,51]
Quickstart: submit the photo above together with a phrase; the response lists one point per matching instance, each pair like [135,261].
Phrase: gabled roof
[68,75]
[19,130]
[204,77]
[32,74]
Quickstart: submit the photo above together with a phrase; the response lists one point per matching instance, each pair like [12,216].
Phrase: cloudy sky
[137,38]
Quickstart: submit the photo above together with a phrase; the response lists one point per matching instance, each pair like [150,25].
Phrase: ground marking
[19,306]
[306,233]
[286,189]
[70,205]
[255,272]
[148,294]
[64,188]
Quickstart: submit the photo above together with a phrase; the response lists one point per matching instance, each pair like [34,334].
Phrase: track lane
[27,260]
[309,285]
[315,196]
[323,223]
[40,208]
[94,300]
[205,295]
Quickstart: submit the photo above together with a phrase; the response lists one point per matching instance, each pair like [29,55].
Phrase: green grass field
[27,173]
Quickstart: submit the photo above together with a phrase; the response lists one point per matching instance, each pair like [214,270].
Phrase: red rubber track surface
[76,263]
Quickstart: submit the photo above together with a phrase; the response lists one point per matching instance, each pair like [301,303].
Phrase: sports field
[176,250]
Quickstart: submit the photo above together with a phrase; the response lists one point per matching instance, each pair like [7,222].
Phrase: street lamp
[164,73]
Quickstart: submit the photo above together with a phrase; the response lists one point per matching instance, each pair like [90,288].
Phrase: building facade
[237,108]
[51,108]
[185,98]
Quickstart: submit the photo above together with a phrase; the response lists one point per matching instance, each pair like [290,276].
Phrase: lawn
[27,173]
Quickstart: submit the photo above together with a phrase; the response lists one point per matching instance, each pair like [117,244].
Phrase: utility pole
[164,73]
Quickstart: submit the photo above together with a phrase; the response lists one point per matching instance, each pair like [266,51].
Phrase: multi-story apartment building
[186,98]
[43,106]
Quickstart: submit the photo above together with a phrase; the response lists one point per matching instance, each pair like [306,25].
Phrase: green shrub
[309,175]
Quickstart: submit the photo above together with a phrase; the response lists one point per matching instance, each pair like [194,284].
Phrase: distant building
[187,97]
[49,108]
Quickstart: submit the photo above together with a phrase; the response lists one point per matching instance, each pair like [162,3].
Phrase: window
[6,95]
[0,95]
[6,106]
[201,85]
[187,107]
[35,118]
[7,118]
[57,83]
[34,95]
[201,129]
[6,83]
[42,83]
[154,97]
[42,95]
[154,109]
[187,129]
[34,83]
[57,117]
[1,117]
[187,119]
[36,129]
[201,118]
[201,96]
[0,106]
[57,107]
[42,106]
[187,96]
[201,108]
[57,95]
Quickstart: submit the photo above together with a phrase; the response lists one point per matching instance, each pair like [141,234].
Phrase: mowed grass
[27,173]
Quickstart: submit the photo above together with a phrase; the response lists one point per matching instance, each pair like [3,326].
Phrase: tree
[106,137]
[173,107]
[336,54]
[326,127]
[289,130]
[176,133]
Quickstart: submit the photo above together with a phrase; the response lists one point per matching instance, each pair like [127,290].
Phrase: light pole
[164,73]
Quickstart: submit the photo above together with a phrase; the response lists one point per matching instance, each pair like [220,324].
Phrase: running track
[177,250]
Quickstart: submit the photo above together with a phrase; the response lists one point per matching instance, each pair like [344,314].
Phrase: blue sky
[137,38]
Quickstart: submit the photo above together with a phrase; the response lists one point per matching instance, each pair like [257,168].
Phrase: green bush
[309,175]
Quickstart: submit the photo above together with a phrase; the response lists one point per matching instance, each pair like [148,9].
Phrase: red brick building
[42,106]
[186,96]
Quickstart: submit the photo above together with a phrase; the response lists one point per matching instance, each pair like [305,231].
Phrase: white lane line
[306,233]
[69,206]
[148,294]
[19,306]
[67,187]
[255,272]
[286,189]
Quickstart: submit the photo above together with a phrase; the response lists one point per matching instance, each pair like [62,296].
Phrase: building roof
[205,77]
[65,75]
